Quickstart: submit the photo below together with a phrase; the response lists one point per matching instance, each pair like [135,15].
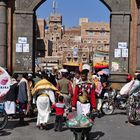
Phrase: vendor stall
[72,66]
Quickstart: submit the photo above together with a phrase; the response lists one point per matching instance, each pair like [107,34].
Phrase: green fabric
[64,85]
[79,121]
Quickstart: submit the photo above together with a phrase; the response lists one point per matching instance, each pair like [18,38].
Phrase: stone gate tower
[120,19]
[24,34]
[125,34]
[3,25]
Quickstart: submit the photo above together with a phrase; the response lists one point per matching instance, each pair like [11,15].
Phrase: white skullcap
[63,70]
[29,75]
[136,74]
[86,67]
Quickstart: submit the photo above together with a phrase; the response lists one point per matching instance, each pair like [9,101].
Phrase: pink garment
[98,87]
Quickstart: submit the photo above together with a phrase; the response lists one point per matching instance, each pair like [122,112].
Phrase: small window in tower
[75,59]
[68,59]
[84,59]
[84,55]
[68,55]
[104,58]
[55,27]
[90,33]
[98,41]
[102,31]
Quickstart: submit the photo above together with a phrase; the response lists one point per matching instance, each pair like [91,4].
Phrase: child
[59,108]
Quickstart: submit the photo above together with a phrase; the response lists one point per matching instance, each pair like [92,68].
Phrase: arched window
[84,55]
[68,55]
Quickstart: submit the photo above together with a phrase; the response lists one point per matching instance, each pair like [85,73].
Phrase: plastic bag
[126,88]
[78,118]
[72,123]
[79,121]
[72,115]
[84,121]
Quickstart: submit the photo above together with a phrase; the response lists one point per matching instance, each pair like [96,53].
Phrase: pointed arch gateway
[120,18]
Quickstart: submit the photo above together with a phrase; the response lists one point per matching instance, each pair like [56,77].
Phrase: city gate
[20,16]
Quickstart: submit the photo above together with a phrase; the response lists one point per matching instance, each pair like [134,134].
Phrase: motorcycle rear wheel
[131,114]
[107,108]
[3,119]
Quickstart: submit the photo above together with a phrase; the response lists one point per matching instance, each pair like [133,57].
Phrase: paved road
[112,127]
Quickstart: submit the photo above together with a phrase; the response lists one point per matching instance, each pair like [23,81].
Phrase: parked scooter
[3,117]
[112,99]
[133,106]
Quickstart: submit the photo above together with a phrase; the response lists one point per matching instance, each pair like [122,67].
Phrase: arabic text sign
[122,45]
[22,40]
[117,53]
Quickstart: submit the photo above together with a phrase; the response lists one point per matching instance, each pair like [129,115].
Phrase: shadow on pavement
[50,126]
[4,133]
[137,123]
[100,115]
[64,129]
[11,124]
[16,123]
[32,119]
[134,123]
[121,112]
[95,135]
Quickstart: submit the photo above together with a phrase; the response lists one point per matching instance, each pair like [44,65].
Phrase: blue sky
[72,10]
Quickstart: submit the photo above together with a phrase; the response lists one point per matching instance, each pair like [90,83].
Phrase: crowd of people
[62,92]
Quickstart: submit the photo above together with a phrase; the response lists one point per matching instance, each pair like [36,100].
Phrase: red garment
[70,88]
[91,95]
[59,108]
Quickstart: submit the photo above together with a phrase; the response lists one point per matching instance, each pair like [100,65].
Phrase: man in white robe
[43,107]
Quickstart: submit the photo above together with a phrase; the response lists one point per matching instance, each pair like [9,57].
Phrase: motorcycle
[111,100]
[133,107]
[3,117]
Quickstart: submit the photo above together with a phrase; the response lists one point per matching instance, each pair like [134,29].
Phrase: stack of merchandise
[79,121]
